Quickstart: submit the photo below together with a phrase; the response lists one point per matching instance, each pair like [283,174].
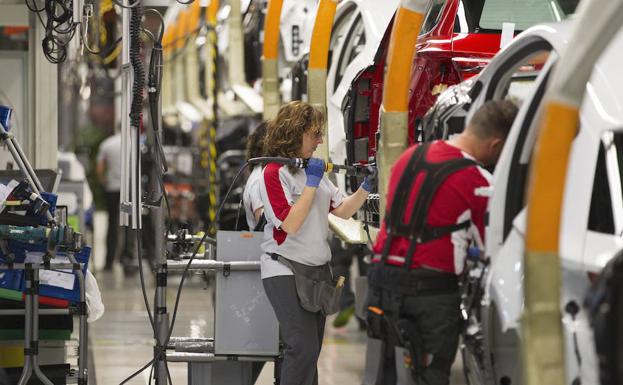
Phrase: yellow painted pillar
[394,109]
[270,57]
[318,61]
[542,337]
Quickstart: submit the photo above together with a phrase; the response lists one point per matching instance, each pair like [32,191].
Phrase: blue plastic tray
[61,284]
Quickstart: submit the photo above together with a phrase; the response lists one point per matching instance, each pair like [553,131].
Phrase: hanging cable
[59,27]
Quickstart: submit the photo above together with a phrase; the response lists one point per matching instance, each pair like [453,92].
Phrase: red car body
[445,56]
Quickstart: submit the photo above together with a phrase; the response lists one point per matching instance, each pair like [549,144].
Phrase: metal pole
[126,91]
[22,166]
[215,265]
[28,297]
[134,182]
[34,345]
[83,351]
[161,316]
[29,168]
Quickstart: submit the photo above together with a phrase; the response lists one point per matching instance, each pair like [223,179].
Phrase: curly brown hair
[284,134]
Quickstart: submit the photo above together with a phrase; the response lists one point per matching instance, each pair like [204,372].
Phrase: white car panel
[375,16]
[297,15]
[582,251]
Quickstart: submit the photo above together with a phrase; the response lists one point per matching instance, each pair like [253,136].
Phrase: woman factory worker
[294,267]
[253,206]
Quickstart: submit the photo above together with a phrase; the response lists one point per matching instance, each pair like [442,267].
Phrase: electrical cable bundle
[154,87]
[59,27]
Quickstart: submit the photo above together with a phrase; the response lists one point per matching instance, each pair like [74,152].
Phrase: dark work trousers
[119,241]
[112,207]
[301,331]
[432,321]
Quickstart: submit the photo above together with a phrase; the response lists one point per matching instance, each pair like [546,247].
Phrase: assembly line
[311,192]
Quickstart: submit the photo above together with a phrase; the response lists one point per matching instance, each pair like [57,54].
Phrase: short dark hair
[255,141]
[493,119]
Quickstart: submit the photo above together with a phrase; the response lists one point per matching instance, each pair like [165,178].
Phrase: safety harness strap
[417,229]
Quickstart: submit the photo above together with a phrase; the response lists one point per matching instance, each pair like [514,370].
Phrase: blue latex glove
[370,181]
[314,172]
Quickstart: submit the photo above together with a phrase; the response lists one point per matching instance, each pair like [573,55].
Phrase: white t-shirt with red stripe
[279,190]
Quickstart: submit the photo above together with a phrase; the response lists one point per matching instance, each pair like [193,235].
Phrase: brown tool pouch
[315,287]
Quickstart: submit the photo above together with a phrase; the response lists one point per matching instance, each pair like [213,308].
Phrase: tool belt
[315,287]
[412,283]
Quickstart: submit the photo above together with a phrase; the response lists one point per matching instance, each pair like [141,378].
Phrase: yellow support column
[542,336]
[394,109]
[318,61]
[270,57]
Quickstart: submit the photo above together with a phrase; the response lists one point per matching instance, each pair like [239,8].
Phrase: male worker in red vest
[435,210]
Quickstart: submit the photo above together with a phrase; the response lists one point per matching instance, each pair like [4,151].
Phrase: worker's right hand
[314,171]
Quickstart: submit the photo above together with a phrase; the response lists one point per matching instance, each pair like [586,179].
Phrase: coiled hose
[138,84]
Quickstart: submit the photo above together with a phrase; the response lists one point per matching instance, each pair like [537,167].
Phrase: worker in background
[294,266]
[109,175]
[435,210]
[253,206]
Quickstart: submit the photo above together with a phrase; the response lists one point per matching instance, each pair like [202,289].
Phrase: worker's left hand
[370,181]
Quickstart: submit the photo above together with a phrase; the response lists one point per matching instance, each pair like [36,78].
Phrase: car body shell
[374,16]
[447,53]
[583,250]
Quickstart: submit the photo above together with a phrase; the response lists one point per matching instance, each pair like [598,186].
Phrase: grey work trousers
[301,331]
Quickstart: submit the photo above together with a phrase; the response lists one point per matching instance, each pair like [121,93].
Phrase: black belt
[416,282]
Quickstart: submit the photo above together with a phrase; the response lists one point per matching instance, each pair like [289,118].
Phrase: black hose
[59,25]
[138,85]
